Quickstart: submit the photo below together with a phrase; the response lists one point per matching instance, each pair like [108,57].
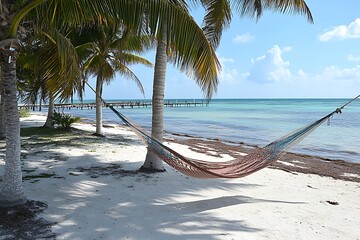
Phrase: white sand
[270,204]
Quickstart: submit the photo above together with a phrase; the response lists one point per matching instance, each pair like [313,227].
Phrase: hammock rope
[236,168]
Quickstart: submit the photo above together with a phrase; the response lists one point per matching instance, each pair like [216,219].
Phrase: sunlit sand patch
[205,146]
[351,175]
[296,161]
[290,164]
[84,189]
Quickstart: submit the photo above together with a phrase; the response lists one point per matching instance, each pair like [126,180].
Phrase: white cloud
[258,59]
[336,73]
[342,32]
[271,76]
[287,49]
[332,82]
[246,37]
[353,58]
[226,60]
[301,73]
[228,74]
[270,67]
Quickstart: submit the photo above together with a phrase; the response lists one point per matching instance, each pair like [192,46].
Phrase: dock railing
[121,104]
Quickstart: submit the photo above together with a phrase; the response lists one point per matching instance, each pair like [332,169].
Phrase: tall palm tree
[217,18]
[11,191]
[110,50]
[44,15]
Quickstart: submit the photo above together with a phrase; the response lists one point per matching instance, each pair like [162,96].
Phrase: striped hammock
[240,167]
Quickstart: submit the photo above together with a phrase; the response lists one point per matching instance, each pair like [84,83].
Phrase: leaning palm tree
[46,15]
[217,18]
[110,50]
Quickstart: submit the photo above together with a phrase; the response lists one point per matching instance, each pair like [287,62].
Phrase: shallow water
[259,122]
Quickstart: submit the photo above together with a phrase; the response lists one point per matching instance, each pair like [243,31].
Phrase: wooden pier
[122,104]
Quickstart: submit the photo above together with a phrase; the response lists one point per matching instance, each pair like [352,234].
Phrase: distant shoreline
[191,99]
[92,100]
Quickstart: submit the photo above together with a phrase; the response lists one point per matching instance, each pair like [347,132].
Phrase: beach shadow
[220,202]
[144,206]
[23,222]
[92,200]
[134,215]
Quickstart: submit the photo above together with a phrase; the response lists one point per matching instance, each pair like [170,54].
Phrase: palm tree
[32,89]
[11,191]
[109,50]
[44,16]
[217,17]
[35,76]
[29,83]
[188,58]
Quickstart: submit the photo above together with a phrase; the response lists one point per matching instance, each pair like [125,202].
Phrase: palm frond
[129,58]
[92,64]
[60,66]
[125,71]
[84,51]
[30,85]
[108,72]
[134,43]
[191,51]
[217,18]
[21,13]
[254,8]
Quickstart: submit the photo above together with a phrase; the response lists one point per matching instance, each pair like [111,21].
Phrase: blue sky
[279,56]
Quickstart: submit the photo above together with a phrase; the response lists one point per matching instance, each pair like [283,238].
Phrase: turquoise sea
[258,122]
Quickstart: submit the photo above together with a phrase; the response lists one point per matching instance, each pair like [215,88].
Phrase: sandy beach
[92,190]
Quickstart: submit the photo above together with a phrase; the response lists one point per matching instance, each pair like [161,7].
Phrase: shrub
[24,112]
[64,120]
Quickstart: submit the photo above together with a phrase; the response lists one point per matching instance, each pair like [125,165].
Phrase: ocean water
[259,122]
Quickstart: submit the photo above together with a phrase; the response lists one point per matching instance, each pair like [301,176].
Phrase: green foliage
[63,120]
[42,132]
[24,112]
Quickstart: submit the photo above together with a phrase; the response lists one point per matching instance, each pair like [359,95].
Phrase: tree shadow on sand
[128,203]
[23,222]
[145,209]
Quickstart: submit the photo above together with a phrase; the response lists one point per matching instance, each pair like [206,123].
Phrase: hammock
[239,167]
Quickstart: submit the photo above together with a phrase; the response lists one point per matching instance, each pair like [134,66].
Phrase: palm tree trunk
[11,192]
[99,103]
[152,161]
[40,106]
[49,121]
[2,113]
